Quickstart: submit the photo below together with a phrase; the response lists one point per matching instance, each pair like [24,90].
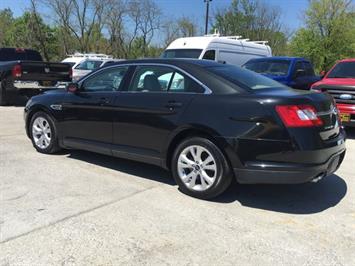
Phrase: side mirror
[322,74]
[300,73]
[73,87]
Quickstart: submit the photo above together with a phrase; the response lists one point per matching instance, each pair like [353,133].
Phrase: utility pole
[207,14]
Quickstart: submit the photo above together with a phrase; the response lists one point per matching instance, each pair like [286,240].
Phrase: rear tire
[200,169]
[43,133]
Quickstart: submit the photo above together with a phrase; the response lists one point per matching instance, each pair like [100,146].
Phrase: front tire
[200,169]
[43,133]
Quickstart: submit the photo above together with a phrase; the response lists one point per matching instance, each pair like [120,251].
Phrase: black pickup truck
[23,73]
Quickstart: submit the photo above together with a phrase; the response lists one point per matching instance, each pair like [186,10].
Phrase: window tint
[89,65]
[209,55]
[182,83]
[309,69]
[182,53]
[106,80]
[269,67]
[343,70]
[160,79]
[151,78]
[245,78]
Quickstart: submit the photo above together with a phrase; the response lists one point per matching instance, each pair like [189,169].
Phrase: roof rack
[237,37]
[90,55]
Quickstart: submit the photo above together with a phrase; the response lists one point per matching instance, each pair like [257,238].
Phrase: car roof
[347,60]
[278,58]
[171,61]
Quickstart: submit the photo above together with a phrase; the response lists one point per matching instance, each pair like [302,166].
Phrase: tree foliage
[254,20]
[328,35]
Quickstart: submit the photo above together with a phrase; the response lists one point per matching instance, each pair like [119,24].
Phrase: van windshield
[269,67]
[182,53]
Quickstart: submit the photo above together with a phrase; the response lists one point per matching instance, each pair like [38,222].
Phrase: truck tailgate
[44,71]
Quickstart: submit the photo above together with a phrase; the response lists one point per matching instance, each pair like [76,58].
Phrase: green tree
[328,34]
[6,20]
[254,20]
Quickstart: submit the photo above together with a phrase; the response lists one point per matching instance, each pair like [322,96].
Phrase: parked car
[23,72]
[76,58]
[295,72]
[88,65]
[223,49]
[211,123]
[340,83]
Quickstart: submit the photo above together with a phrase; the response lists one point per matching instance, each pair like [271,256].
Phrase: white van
[224,49]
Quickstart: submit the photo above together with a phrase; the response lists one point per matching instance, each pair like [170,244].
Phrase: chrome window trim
[207,89]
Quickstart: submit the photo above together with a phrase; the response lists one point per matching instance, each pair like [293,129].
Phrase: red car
[340,83]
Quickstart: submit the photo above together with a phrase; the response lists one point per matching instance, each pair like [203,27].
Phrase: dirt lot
[82,208]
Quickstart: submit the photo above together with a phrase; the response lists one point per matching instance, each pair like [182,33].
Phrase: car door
[299,76]
[88,113]
[150,110]
[310,75]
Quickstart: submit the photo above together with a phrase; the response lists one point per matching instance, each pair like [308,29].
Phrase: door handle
[173,104]
[104,101]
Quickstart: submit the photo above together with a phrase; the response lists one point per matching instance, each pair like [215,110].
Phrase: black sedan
[206,122]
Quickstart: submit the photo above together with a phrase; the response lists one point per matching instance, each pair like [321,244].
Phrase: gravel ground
[80,208]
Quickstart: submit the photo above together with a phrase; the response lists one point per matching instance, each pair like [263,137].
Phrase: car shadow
[305,198]
[137,169]
[350,133]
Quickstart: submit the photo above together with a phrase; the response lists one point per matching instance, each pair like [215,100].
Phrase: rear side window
[269,67]
[13,54]
[244,78]
[162,79]
[209,55]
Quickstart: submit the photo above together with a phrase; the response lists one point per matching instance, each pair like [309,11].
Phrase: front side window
[162,79]
[343,70]
[209,55]
[269,67]
[89,65]
[106,80]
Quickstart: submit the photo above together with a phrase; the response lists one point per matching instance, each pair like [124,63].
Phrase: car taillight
[17,71]
[299,115]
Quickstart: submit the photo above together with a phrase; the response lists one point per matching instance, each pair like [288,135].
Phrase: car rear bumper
[287,173]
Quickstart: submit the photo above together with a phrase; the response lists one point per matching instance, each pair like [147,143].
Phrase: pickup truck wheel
[43,133]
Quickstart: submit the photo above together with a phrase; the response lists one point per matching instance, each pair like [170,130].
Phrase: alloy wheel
[41,133]
[197,168]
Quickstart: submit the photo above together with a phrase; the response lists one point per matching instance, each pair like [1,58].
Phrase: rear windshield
[269,67]
[182,53]
[343,70]
[12,54]
[89,65]
[245,78]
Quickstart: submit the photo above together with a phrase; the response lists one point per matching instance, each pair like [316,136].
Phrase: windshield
[269,67]
[343,70]
[182,53]
[89,65]
[245,78]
